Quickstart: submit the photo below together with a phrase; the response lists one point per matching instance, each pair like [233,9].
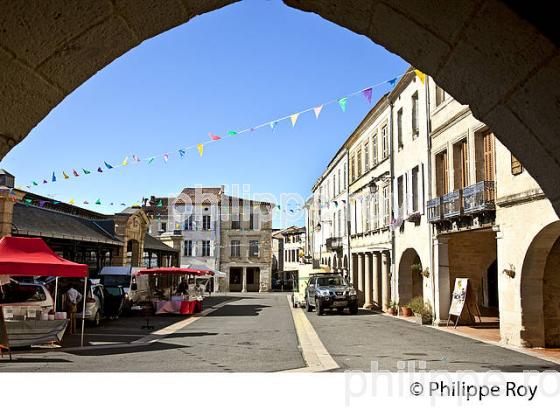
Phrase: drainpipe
[347,218]
[391,175]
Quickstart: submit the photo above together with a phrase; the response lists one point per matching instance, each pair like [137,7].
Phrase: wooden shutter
[464,164]
[489,157]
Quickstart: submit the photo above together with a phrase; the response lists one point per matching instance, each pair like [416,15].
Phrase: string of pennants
[342,102]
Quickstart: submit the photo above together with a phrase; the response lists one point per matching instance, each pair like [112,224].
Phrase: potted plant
[422,311]
[406,310]
[393,308]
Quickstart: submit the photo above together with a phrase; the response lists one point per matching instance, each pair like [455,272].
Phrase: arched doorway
[491,289]
[540,289]
[411,282]
[446,42]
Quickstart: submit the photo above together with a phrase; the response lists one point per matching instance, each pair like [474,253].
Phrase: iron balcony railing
[434,209]
[452,204]
[479,197]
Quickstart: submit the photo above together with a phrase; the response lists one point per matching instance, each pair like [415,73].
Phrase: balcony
[435,210]
[334,243]
[479,197]
[452,204]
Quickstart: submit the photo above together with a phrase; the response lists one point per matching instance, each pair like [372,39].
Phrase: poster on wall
[459,297]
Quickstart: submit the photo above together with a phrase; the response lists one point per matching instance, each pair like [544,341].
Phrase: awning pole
[55,292]
[84,297]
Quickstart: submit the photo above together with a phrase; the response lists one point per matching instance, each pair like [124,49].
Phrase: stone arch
[410,279]
[540,289]
[514,91]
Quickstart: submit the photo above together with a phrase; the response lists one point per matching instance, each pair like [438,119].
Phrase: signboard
[459,297]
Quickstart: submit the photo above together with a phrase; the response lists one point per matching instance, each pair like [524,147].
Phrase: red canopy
[32,257]
[178,271]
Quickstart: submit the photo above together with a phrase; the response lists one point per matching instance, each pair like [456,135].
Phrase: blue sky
[231,69]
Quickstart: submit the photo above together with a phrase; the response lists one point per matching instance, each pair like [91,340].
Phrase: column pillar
[244,280]
[354,262]
[377,280]
[441,279]
[386,280]
[360,278]
[368,292]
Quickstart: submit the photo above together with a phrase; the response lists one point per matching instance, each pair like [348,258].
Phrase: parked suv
[330,291]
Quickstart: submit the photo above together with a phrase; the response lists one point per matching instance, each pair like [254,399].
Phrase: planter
[419,319]
[406,311]
[392,311]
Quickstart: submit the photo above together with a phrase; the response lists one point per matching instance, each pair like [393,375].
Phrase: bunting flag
[86,202]
[342,102]
[35,183]
[317,111]
[71,202]
[28,201]
[367,93]
[159,203]
[42,204]
[98,202]
[123,204]
[45,181]
[294,118]
[420,75]
[75,173]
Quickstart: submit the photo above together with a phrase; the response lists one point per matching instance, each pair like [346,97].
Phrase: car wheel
[308,305]
[353,310]
[97,318]
[319,307]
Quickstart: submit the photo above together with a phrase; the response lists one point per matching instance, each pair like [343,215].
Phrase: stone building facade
[288,253]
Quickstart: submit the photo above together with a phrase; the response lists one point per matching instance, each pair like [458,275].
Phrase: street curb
[313,351]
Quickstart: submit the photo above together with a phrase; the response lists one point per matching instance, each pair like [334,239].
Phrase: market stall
[173,290]
[32,257]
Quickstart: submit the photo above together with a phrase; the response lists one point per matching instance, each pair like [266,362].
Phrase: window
[353,168]
[340,223]
[384,142]
[516,167]
[375,216]
[339,182]
[414,190]
[440,95]
[461,164]
[400,196]
[206,222]
[415,113]
[235,223]
[205,248]
[399,128]
[254,220]
[374,148]
[294,255]
[188,249]
[334,184]
[386,205]
[235,248]
[365,214]
[189,223]
[366,155]
[164,226]
[254,249]
[344,176]
[359,165]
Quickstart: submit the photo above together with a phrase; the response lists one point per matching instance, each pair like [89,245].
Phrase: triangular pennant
[214,137]
[42,204]
[182,153]
[109,166]
[393,81]
[135,158]
[99,169]
[317,110]
[28,201]
[159,203]
[125,162]
[71,202]
[294,118]
[86,171]
[53,177]
[232,133]
[45,181]
[123,204]
[151,159]
[420,75]
[200,149]
[166,157]
[273,125]
[35,183]
[367,93]
[65,175]
[55,202]
[75,173]
[86,203]
[98,202]
[342,102]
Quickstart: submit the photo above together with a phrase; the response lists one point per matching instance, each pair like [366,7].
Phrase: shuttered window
[489,157]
